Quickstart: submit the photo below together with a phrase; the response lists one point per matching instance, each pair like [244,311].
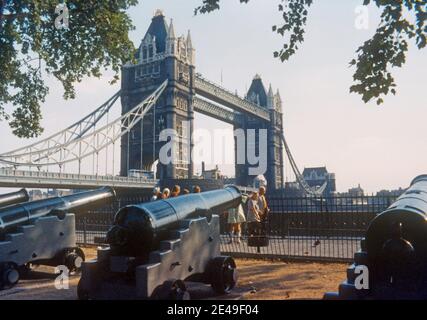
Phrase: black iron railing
[297,228]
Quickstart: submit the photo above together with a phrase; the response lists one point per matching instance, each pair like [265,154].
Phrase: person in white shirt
[235,217]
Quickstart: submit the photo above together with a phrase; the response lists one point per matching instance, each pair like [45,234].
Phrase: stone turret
[190,49]
[158,30]
[278,102]
[271,101]
[171,40]
[257,93]
[189,41]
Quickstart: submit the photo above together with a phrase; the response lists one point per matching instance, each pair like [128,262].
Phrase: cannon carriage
[154,248]
[43,232]
[393,252]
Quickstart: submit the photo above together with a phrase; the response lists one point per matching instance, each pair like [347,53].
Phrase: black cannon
[43,232]
[394,251]
[23,213]
[158,245]
[13,198]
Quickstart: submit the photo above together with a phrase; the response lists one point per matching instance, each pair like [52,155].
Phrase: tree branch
[13,16]
[2,5]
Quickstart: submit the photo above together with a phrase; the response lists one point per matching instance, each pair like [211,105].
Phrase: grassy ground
[258,279]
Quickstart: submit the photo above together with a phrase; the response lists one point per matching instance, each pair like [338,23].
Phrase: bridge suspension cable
[83,139]
[78,141]
[311,191]
[73,132]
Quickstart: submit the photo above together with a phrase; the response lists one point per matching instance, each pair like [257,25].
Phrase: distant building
[317,176]
[293,190]
[59,193]
[214,174]
[356,192]
[36,195]
[390,193]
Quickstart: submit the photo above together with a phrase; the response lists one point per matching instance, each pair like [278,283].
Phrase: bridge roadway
[10,178]
[212,110]
[213,92]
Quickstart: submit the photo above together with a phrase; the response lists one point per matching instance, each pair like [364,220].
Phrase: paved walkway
[340,248]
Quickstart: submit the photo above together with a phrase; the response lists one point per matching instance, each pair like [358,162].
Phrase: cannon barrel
[408,213]
[394,252]
[23,213]
[396,239]
[138,229]
[13,198]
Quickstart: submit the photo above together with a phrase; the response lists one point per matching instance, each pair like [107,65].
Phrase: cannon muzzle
[23,213]
[138,229]
[13,198]
[409,211]
[396,239]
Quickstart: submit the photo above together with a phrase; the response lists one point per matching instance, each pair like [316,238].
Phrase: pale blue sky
[379,147]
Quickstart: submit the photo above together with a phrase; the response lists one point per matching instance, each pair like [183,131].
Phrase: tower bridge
[160,90]
[164,56]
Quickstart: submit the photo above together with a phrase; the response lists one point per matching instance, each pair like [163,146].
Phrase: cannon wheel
[25,269]
[9,275]
[222,274]
[171,290]
[73,258]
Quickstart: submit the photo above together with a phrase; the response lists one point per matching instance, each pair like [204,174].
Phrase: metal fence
[92,227]
[297,228]
[312,228]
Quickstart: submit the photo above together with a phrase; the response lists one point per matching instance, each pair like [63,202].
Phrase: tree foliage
[375,58]
[32,44]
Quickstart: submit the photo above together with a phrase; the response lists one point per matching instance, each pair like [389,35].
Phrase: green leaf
[97,38]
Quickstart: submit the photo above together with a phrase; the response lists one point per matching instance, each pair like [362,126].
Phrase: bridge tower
[161,55]
[258,95]
[275,169]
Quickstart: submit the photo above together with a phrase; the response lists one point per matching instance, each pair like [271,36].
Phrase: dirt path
[281,280]
[258,279]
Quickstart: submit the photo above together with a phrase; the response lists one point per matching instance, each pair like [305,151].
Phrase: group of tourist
[167,193]
[256,204]
[257,212]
